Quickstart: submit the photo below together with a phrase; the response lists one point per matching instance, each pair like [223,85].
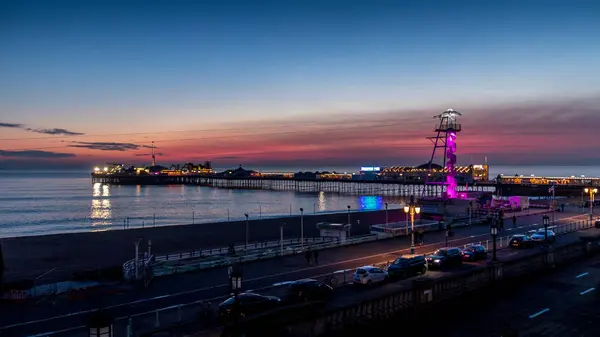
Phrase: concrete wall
[31,256]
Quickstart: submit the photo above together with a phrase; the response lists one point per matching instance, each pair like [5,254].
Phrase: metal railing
[184,263]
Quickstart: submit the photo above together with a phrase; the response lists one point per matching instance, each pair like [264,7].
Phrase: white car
[539,235]
[370,275]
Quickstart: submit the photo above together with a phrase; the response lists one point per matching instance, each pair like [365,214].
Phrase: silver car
[538,235]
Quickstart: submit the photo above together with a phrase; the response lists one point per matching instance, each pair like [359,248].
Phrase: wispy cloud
[61,132]
[158,154]
[517,133]
[11,125]
[108,146]
[35,154]
[52,131]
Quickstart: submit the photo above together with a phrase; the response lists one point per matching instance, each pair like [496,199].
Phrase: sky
[297,83]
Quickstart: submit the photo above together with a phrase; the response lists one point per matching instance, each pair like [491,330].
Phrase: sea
[50,202]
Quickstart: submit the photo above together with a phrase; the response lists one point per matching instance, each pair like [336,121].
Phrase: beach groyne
[57,257]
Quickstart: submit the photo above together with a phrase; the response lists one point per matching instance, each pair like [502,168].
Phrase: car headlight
[436,261]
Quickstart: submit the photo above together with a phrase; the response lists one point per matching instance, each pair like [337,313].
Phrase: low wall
[424,292]
[31,256]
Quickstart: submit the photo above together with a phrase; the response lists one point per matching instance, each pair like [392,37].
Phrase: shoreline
[146,222]
[59,256]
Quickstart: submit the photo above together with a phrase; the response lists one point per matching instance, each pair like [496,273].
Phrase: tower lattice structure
[445,141]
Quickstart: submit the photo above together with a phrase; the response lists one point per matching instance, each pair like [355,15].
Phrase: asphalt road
[561,304]
[212,284]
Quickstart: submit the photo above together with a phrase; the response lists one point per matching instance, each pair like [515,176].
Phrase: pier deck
[381,187]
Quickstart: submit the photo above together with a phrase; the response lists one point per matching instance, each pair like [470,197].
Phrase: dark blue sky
[80,65]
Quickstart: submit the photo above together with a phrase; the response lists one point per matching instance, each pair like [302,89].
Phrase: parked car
[521,241]
[306,290]
[247,304]
[538,235]
[597,223]
[474,253]
[407,266]
[369,275]
[445,257]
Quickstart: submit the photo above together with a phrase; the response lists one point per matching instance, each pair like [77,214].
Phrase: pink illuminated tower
[445,140]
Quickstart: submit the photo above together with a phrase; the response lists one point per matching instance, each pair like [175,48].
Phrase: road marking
[587,291]
[249,280]
[581,275]
[539,313]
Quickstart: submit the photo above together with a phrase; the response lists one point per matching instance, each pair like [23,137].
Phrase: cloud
[158,154]
[53,131]
[512,134]
[60,132]
[109,146]
[11,125]
[35,154]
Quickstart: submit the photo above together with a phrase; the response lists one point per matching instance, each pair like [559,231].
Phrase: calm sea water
[36,202]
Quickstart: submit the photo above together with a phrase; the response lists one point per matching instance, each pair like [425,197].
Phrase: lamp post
[494,232]
[591,191]
[545,221]
[193,216]
[386,213]
[100,324]
[281,238]
[246,245]
[412,209]
[302,228]
[348,214]
[235,282]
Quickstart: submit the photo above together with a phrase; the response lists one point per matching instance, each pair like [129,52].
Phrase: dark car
[445,257]
[521,241]
[407,266]
[597,223]
[307,290]
[247,304]
[474,253]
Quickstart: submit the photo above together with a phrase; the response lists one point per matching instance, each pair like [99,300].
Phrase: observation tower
[445,141]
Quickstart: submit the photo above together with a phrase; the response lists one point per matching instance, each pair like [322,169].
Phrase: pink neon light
[451,183]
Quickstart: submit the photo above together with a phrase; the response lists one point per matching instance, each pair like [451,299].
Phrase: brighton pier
[448,180]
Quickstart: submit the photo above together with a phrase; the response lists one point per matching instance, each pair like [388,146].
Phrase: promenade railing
[202,259]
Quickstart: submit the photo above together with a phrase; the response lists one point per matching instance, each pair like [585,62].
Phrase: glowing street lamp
[591,191]
[412,209]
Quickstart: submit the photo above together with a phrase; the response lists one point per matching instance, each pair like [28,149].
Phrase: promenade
[211,285]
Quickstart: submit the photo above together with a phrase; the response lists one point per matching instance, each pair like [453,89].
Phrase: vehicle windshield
[361,271]
[440,252]
[469,249]
[401,260]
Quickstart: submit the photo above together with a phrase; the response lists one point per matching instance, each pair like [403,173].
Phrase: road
[561,304]
[212,284]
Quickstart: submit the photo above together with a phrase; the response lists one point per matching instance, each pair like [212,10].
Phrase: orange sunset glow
[519,133]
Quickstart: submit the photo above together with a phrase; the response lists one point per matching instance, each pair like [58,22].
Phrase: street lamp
[591,191]
[348,214]
[494,232]
[545,221]
[386,213]
[235,283]
[100,324]
[302,227]
[246,245]
[412,209]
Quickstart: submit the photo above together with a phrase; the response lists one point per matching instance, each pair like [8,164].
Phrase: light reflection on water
[45,206]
